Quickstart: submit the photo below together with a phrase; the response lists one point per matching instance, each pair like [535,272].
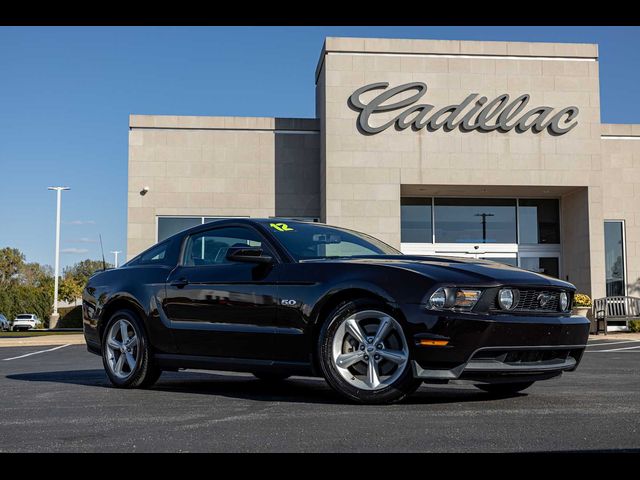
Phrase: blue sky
[66,93]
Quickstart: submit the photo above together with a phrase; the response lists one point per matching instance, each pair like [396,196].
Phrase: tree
[35,274]
[69,289]
[82,270]
[11,263]
[24,287]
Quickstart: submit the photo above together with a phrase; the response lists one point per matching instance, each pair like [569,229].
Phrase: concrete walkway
[44,340]
[615,336]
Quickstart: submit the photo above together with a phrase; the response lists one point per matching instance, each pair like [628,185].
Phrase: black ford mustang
[278,298]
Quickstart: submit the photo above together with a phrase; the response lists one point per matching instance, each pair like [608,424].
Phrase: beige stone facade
[215,166]
[621,191]
[327,168]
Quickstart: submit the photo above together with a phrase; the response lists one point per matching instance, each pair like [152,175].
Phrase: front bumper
[492,348]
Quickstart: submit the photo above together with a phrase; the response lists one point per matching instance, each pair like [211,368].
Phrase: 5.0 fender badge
[288,302]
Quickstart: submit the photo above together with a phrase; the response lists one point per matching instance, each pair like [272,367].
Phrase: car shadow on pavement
[294,390]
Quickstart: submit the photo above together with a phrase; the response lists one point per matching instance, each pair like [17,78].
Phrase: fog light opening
[506,299]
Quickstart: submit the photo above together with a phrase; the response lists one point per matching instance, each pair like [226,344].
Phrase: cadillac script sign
[473,113]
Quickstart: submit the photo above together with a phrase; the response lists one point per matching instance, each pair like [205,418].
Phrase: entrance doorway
[514,231]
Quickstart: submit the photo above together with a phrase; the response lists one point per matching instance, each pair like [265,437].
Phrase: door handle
[180,282]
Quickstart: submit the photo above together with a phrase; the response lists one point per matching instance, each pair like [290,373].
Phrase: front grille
[532,356]
[529,301]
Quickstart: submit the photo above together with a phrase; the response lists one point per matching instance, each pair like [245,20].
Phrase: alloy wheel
[122,349]
[369,350]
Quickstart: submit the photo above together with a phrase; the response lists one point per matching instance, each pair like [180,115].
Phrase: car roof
[221,222]
[241,221]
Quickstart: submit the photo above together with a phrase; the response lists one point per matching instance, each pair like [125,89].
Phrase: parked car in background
[26,321]
[4,323]
[297,298]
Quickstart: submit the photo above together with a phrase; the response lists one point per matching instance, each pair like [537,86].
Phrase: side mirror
[248,255]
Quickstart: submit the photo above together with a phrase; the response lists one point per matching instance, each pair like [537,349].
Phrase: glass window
[546,265]
[415,220]
[539,221]
[312,240]
[506,260]
[210,247]
[298,219]
[614,258]
[155,255]
[471,220]
[168,226]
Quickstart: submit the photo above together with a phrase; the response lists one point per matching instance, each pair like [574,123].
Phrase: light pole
[484,224]
[116,252]
[53,321]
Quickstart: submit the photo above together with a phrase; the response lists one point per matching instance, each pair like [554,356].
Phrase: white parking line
[615,349]
[35,353]
[598,344]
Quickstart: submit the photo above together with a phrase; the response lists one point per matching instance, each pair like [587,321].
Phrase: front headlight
[450,298]
[564,301]
[438,299]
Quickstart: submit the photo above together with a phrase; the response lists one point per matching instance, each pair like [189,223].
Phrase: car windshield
[24,317]
[306,241]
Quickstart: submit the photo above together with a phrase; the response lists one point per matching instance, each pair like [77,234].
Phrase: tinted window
[308,241]
[168,226]
[154,256]
[539,221]
[415,220]
[614,258]
[546,265]
[470,220]
[210,247]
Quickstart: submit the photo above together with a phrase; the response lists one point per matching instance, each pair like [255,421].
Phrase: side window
[155,256]
[210,247]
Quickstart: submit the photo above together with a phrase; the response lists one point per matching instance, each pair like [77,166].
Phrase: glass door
[497,252]
[523,232]
[547,264]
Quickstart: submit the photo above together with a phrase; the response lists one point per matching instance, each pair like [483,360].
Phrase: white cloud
[74,251]
[83,240]
[81,222]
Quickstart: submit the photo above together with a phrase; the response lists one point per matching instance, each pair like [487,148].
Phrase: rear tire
[271,377]
[126,352]
[374,368]
[504,389]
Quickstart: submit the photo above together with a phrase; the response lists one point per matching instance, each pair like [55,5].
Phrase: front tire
[126,352]
[364,355]
[504,389]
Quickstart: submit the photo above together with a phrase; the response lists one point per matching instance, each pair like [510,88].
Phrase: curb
[43,341]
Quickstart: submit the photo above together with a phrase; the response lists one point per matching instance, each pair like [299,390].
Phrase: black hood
[458,270]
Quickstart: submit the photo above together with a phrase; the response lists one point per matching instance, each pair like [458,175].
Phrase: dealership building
[457,148]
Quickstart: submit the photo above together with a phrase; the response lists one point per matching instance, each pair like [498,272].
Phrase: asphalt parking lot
[59,400]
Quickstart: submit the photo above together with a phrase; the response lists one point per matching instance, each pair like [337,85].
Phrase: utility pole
[53,321]
[116,252]
[484,224]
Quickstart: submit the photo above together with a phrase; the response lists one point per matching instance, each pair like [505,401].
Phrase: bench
[615,308]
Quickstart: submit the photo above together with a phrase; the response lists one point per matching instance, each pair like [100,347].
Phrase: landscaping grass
[33,334]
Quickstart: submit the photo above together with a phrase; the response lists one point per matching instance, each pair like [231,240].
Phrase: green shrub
[70,317]
[634,326]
